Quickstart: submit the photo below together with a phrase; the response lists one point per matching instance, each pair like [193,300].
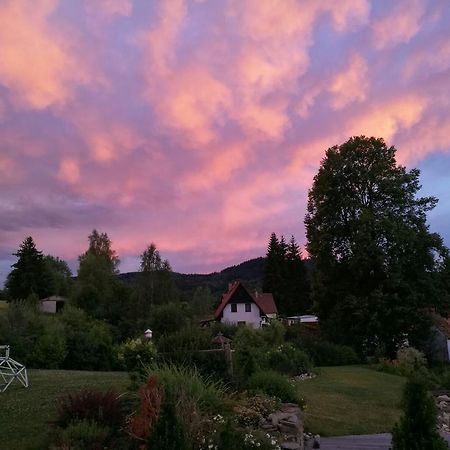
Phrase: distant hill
[249,272]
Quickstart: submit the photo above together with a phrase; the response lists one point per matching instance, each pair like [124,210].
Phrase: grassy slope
[24,413]
[351,400]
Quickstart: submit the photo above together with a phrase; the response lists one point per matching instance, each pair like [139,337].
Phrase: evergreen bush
[417,429]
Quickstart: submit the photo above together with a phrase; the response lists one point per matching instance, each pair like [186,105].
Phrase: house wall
[252,318]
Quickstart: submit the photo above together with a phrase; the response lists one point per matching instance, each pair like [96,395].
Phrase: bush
[104,408]
[135,354]
[89,342]
[289,360]
[50,349]
[82,435]
[151,396]
[250,412]
[411,362]
[178,381]
[417,428]
[325,353]
[275,385]
[167,319]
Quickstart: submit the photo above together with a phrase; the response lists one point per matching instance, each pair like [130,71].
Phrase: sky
[199,125]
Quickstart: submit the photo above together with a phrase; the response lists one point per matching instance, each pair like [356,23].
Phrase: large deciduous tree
[29,275]
[97,289]
[376,260]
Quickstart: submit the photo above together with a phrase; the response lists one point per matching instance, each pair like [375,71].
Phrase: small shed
[53,304]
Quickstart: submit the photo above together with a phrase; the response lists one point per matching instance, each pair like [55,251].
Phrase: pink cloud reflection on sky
[199,124]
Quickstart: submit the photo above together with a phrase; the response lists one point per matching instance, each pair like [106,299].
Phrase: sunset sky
[200,124]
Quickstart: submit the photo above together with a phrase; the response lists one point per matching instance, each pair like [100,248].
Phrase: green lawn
[351,400]
[25,413]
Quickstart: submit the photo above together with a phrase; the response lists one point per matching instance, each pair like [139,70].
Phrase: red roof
[265,301]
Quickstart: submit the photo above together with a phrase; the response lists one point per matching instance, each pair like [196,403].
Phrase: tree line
[377,270]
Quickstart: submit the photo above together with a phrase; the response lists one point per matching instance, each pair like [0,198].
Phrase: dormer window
[233,307]
[248,307]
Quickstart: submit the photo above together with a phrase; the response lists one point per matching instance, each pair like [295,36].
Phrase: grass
[25,413]
[3,306]
[351,400]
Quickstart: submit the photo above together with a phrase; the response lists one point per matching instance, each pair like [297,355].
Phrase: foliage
[59,276]
[288,360]
[105,408]
[50,349]
[26,413]
[166,319]
[411,361]
[285,276]
[325,353]
[150,397]
[252,410]
[168,432]
[202,302]
[177,381]
[29,274]
[275,385]
[83,434]
[185,346]
[417,428]
[90,343]
[376,263]
[135,354]
[97,290]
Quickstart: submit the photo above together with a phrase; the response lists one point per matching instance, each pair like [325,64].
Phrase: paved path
[363,442]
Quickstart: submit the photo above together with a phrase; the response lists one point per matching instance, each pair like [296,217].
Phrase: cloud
[200,125]
[399,25]
[69,170]
[350,85]
[38,64]
[111,7]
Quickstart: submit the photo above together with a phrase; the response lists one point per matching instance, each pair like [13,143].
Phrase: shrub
[168,433]
[89,342]
[177,381]
[289,360]
[50,349]
[167,319]
[135,354]
[251,411]
[275,385]
[105,408]
[325,353]
[150,396]
[411,362]
[417,428]
[82,435]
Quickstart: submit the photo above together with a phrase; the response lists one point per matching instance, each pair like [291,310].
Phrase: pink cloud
[400,25]
[37,62]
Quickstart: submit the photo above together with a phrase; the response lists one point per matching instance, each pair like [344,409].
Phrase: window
[233,307]
[248,307]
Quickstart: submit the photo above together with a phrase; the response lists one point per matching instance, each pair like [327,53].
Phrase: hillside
[249,272]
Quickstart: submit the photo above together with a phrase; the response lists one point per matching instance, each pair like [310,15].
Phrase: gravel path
[363,442]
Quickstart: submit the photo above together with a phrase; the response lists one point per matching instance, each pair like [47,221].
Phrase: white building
[53,304]
[240,307]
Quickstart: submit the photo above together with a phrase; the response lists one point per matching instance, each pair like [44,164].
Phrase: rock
[443,398]
[290,446]
[277,416]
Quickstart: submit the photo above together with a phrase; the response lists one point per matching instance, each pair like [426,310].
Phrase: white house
[240,307]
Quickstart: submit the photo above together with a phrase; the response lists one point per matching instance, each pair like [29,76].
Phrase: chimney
[256,294]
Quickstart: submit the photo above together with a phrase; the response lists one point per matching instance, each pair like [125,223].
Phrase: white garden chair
[10,370]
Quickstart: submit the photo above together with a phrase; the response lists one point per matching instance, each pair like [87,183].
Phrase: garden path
[362,442]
